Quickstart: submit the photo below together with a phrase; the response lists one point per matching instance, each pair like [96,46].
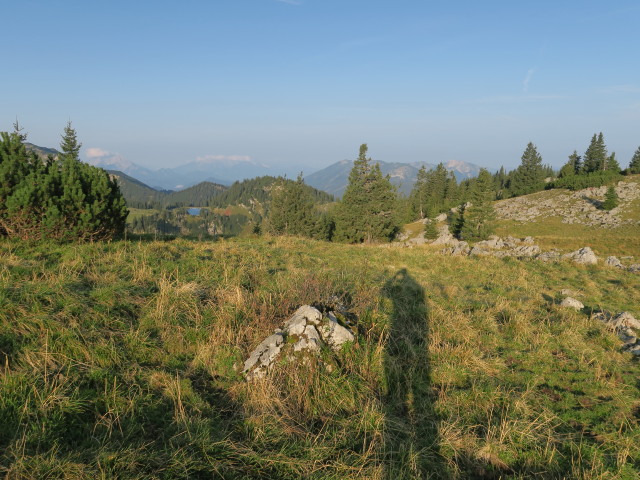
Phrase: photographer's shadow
[411,425]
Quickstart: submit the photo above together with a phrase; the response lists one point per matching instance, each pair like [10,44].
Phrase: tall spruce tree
[477,218]
[419,195]
[595,157]
[366,211]
[434,191]
[634,165]
[530,174]
[291,211]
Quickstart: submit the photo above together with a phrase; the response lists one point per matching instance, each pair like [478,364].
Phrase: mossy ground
[119,360]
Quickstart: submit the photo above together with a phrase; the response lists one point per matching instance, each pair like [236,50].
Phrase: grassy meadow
[120,360]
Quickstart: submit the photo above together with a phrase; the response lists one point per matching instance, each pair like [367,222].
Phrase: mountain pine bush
[60,198]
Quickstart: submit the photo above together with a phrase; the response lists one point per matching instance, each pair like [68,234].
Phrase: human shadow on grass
[411,435]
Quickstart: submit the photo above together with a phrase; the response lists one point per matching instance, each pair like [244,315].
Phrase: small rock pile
[626,326]
[308,330]
[616,263]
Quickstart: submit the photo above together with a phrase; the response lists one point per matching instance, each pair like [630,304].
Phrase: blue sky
[300,84]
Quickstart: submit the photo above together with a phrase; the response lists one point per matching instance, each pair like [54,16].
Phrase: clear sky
[300,84]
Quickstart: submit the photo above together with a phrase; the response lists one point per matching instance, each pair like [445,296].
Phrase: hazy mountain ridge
[218,170]
[42,152]
[224,170]
[335,178]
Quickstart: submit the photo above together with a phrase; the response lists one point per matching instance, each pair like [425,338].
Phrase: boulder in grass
[571,302]
[584,256]
[307,331]
[613,262]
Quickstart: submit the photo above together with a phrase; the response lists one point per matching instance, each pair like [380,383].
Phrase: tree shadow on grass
[411,424]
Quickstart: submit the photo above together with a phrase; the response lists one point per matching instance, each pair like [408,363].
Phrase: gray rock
[635,268]
[297,323]
[460,249]
[493,242]
[613,262]
[445,239]
[584,256]
[334,334]
[417,241]
[571,302]
[552,256]
[629,340]
[526,251]
[310,340]
[635,350]
[570,293]
[263,356]
[479,251]
[625,319]
[603,317]
[303,327]
[441,218]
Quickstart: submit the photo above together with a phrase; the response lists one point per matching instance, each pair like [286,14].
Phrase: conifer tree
[419,192]
[612,164]
[610,199]
[291,211]
[477,218]
[63,198]
[366,211]
[430,230]
[500,182]
[634,165]
[434,190]
[529,176]
[572,167]
[595,157]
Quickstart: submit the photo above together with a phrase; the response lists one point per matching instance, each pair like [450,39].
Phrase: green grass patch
[120,360]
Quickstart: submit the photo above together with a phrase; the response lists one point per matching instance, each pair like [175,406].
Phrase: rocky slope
[580,207]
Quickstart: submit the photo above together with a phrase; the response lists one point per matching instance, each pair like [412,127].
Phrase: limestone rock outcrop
[580,207]
[583,256]
[308,330]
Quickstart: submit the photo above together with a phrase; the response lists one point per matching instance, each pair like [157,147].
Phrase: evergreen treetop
[70,147]
[634,165]
[476,222]
[572,167]
[366,212]
[595,157]
[529,176]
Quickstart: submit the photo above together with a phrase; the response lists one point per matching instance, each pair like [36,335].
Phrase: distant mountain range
[43,152]
[222,170]
[214,170]
[335,178]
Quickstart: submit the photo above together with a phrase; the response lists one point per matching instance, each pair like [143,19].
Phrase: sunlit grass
[120,360]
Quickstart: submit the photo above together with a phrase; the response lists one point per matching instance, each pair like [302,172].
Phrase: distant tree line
[179,222]
[58,197]
[259,190]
